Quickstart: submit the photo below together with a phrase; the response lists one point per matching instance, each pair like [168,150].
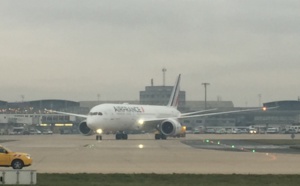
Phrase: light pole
[259,100]
[164,76]
[205,92]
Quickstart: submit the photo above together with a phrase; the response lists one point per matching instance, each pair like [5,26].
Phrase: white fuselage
[122,117]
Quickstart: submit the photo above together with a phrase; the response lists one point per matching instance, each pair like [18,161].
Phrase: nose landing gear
[98,137]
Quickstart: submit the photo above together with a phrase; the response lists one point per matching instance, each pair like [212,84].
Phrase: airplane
[125,117]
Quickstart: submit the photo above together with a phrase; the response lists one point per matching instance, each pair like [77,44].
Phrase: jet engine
[170,127]
[84,129]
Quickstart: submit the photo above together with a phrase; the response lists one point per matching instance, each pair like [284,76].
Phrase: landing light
[141,121]
[264,108]
[99,131]
[141,146]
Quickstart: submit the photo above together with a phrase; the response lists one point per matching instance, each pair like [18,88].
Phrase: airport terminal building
[31,114]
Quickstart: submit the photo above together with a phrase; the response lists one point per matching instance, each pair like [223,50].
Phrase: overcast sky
[74,50]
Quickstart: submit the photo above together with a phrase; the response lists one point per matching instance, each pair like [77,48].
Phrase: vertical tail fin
[173,102]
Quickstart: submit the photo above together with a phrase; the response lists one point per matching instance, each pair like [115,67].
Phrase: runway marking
[218,145]
[89,146]
[270,155]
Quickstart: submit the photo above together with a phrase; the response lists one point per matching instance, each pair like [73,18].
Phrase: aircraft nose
[92,123]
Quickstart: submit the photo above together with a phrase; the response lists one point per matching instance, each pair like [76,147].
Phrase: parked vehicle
[236,131]
[261,131]
[210,131]
[272,130]
[229,130]
[253,131]
[288,131]
[47,131]
[221,131]
[35,131]
[196,131]
[244,131]
[296,128]
[16,160]
[16,131]
[26,132]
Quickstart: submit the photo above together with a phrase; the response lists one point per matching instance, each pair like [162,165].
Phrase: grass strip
[165,179]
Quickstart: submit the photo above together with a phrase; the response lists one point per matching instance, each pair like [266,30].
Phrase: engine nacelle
[84,129]
[170,127]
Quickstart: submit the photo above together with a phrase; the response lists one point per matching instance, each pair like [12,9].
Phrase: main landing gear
[121,136]
[160,136]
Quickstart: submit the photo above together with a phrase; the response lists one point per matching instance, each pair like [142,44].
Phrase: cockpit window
[95,113]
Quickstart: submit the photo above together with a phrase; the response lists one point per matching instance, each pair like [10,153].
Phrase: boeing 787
[125,117]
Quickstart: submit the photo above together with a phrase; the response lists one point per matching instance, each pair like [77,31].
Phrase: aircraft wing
[220,113]
[197,112]
[66,113]
[203,115]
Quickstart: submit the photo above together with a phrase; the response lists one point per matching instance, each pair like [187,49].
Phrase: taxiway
[142,154]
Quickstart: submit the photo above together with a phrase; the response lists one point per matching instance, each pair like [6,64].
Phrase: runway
[142,154]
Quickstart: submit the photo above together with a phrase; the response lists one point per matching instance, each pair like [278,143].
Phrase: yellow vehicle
[16,160]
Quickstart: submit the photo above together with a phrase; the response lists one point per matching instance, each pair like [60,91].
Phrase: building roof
[3,103]
[284,105]
[47,103]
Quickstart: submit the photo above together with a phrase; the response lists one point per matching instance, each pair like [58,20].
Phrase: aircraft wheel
[118,136]
[125,136]
[157,136]
[98,137]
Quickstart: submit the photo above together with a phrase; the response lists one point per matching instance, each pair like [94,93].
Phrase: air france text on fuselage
[128,109]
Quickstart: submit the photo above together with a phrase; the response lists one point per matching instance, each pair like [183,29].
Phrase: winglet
[173,102]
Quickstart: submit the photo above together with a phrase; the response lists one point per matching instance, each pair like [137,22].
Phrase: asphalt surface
[242,145]
[142,154]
